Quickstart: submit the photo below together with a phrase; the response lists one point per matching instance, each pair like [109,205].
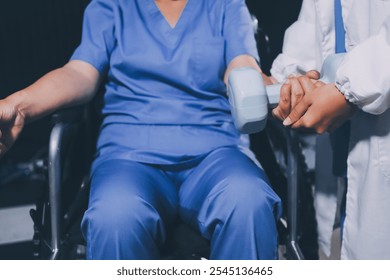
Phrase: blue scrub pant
[223,195]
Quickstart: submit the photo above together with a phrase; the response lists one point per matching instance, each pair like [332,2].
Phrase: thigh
[227,176]
[119,184]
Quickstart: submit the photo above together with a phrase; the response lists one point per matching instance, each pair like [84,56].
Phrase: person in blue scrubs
[168,147]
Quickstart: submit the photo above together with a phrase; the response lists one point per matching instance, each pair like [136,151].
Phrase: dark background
[274,17]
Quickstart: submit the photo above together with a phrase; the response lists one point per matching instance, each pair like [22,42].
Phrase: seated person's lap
[223,194]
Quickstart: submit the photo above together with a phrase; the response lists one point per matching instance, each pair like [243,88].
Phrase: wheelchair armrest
[68,115]
[66,128]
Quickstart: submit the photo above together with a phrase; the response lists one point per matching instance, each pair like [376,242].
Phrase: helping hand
[322,108]
[292,93]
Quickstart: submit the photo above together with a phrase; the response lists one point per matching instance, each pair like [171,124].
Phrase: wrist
[347,101]
[16,103]
[339,89]
[345,89]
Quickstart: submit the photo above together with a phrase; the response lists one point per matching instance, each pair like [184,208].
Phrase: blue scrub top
[165,100]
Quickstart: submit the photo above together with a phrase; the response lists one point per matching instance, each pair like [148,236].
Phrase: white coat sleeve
[364,76]
[300,46]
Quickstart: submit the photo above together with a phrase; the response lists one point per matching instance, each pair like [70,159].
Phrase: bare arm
[245,61]
[73,84]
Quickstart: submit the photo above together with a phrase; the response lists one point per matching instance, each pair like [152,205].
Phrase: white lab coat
[364,77]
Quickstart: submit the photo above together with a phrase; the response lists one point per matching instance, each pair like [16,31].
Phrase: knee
[120,216]
[252,199]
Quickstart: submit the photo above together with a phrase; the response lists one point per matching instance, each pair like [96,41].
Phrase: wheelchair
[65,165]
[58,213]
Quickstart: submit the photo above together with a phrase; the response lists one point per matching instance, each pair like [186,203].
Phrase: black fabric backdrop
[274,17]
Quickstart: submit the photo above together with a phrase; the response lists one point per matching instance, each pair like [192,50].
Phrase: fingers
[300,109]
[313,74]
[296,92]
[284,106]
[318,84]
[311,121]
[326,110]
[306,84]
[302,84]
[296,113]
[277,113]
[291,95]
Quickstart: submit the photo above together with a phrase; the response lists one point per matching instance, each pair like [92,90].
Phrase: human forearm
[73,84]
[246,61]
